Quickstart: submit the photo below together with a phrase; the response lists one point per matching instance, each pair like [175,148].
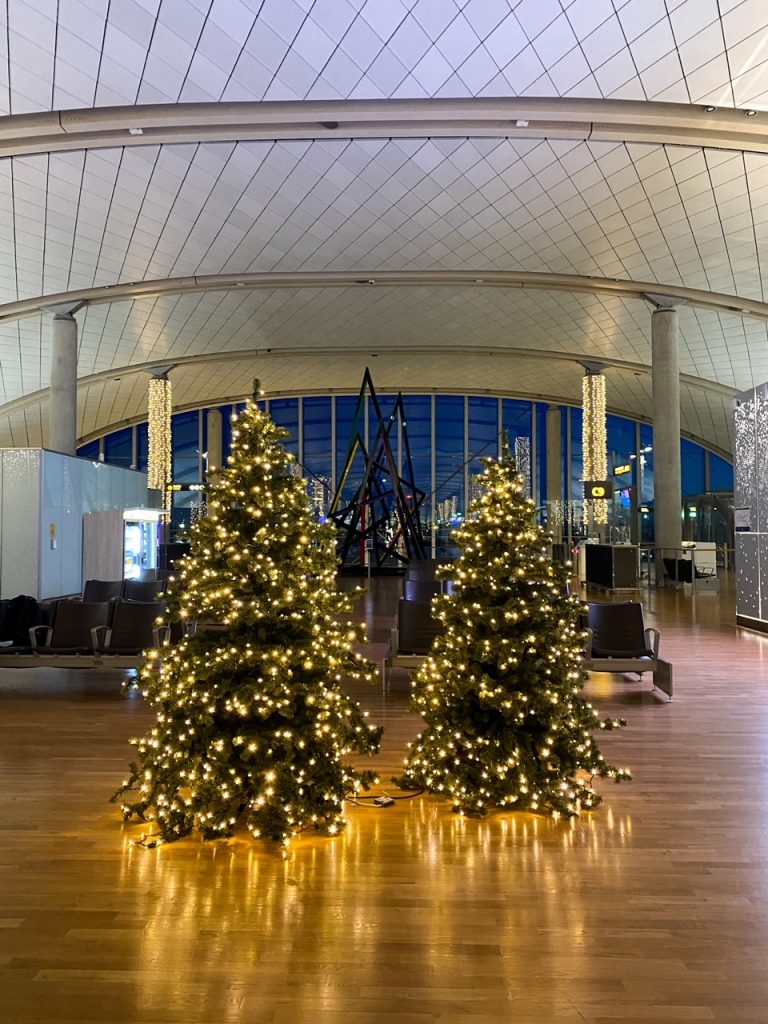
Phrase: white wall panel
[20,472]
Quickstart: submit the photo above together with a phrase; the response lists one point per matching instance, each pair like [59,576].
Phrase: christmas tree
[506,726]
[252,724]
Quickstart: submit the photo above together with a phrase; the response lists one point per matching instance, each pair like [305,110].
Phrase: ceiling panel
[642,212]
[83,53]
[661,214]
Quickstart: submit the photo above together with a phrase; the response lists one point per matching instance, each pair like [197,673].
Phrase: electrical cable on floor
[376,796]
[149,841]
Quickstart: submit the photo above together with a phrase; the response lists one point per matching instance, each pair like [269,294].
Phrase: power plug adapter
[383,801]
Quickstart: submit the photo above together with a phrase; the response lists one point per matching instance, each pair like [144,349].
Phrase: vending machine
[141,538]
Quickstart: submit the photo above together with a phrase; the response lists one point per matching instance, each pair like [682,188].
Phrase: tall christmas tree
[506,726]
[252,723]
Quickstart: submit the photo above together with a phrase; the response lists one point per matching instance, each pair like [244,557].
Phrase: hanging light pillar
[593,438]
[159,417]
[523,462]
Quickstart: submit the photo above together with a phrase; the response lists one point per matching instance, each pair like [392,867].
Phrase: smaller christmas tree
[506,726]
[252,723]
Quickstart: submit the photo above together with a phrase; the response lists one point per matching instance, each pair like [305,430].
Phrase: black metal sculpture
[383,517]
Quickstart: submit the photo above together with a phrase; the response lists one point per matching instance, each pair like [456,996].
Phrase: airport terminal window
[720,474]
[185,438]
[418,414]
[449,471]
[118,448]
[539,453]
[449,445]
[142,446]
[574,482]
[346,429]
[622,441]
[285,413]
[692,457]
[317,450]
[517,422]
[89,451]
[483,431]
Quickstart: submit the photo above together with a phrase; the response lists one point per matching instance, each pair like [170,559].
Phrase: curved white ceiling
[93,53]
[686,216]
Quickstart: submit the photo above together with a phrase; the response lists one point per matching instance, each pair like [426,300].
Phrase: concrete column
[215,442]
[554,454]
[62,402]
[667,489]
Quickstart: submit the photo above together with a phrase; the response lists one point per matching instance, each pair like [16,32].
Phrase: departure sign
[598,489]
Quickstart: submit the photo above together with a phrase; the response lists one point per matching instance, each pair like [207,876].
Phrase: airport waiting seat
[411,639]
[421,569]
[421,590]
[619,641]
[69,632]
[684,570]
[102,590]
[133,627]
[142,590]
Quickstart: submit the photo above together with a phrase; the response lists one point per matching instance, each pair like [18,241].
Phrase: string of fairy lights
[594,440]
[160,454]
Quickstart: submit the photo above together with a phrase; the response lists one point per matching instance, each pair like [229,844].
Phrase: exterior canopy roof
[553,160]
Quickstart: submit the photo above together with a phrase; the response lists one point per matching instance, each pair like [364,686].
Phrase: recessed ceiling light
[710,110]
[135,131]
[521,124]
[750,113]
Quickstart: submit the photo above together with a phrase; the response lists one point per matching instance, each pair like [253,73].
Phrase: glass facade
[118,448]
[285,413]
[448,436]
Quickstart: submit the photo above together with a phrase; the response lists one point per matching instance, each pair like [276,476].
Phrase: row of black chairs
[412,636]
[95,629]
[617,641]
[125,590]
[422,569]
[424,590]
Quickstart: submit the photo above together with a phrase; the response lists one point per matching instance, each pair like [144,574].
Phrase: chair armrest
[96,642]
[652,639]
[161,635]
[33,636]
[394,642]
[588,645]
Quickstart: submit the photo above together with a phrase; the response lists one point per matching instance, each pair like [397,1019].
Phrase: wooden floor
[655,908]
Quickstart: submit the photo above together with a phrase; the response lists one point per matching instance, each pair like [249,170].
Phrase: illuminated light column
[62,402]
[159,469]
[523,462]
[593,438]
[667,489]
